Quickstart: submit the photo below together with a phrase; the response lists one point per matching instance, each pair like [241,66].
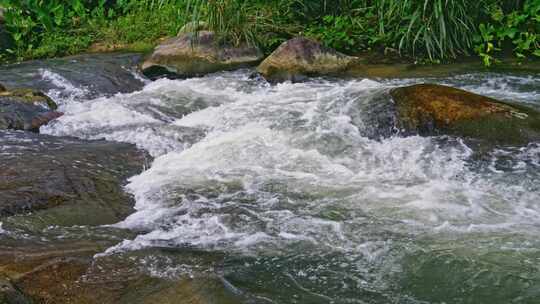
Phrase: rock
[27,110]
[76,182]
[30,97]
[301,57]
[429,109]
[195,55]
[84,76]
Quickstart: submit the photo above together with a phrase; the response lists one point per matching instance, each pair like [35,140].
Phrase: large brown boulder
[23,109]
[429,109]
[301,57]
[198,54]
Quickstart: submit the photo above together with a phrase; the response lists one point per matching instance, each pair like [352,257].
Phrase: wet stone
[24,109]
[75,181]
[86,76]
[430,109]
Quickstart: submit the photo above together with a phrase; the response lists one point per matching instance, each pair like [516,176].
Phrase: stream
[292,193]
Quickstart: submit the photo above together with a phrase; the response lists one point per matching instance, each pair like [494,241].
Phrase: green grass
[42,29]
[423,30]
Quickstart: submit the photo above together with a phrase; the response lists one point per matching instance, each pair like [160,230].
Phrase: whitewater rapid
[244,166]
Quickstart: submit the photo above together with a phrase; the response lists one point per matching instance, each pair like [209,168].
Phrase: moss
[29,96]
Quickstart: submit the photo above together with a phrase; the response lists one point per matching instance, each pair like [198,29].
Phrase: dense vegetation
[426,30]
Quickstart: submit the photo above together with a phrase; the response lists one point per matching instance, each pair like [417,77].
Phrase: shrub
[48,28]
[518,30]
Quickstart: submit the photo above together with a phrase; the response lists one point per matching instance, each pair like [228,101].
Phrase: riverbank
[486,29]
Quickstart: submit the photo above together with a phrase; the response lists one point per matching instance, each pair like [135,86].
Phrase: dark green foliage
[428,30]
[517,29]
[49,28]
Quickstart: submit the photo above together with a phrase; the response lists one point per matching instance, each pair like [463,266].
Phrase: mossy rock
[28,96]
[429,109]
[25,109]
[197,54]
[299,58]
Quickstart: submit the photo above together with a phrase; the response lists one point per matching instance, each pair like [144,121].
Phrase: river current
[293,185]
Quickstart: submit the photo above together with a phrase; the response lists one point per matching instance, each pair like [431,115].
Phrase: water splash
[65,91]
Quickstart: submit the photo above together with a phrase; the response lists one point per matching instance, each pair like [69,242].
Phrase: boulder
[197,54]
[85,76]
[24,109]
[299,58]
[429,109]
[76,182]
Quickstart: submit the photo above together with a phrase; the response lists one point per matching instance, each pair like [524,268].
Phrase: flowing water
[292,186]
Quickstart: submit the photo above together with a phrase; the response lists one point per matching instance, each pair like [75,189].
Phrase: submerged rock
[197,54]
[299,58]
[429,109]
[67,272]
[77,182]
[23,109]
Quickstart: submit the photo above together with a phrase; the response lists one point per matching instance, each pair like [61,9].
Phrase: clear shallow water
[307,205]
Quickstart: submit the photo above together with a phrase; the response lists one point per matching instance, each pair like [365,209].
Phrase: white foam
[241,165]
[66,92]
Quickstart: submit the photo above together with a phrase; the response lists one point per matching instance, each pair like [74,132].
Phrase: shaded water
[292,188]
